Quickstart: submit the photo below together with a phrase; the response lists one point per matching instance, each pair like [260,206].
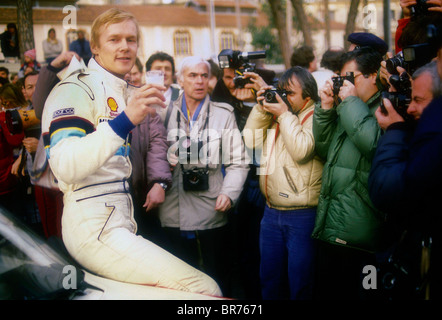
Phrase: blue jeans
[287,253]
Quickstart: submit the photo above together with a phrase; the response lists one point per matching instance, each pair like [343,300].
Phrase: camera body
[195,179]
[400,99]
[400,102]
[240,61]
[19,121]
[397,61]
[270,95]
[239,79]
[411,58]
[420,8]
[338,81]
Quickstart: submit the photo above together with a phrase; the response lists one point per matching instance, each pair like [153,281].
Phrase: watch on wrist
[163,185]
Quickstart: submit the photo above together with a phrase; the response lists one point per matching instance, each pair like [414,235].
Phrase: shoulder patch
[63,112]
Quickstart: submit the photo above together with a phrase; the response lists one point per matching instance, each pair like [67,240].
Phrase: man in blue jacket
[405,179]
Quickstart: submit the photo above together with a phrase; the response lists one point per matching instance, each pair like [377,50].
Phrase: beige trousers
[99,232]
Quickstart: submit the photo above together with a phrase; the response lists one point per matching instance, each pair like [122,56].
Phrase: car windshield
[29,267]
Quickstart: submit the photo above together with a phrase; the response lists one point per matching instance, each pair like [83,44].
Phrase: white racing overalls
[85,133]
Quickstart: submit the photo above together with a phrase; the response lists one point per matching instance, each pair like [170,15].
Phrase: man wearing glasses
[346,134]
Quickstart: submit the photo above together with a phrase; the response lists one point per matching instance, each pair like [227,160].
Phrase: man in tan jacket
[205,138]
[290,179]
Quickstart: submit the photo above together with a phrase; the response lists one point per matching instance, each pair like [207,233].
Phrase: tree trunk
[284,41]
[351,18]
[25,26]
[303,22]
[327,24]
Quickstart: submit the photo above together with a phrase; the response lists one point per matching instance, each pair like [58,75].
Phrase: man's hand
[384,75]
[223,203]
[405,5]
[437,5]
[30,144]
[274,108]
[244,94]
[385,120]
[348,89]
[63,59]
[257,81]
[326,94]
[15,168]
[140,102]
[155,197]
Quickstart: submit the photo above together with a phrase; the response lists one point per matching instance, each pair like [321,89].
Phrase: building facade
[202,27]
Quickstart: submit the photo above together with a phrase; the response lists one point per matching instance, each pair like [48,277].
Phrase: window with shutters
[227,40]
[182,43]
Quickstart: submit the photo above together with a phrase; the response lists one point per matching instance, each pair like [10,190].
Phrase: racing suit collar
[111,79]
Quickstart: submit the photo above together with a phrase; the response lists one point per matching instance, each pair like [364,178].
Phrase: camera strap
[206,124]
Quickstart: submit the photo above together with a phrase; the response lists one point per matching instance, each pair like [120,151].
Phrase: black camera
[338,81]
[420,8]
[411,58]
[400,99]
[239,61]
[415,56]
[19,121]
[188,150]
[270,95]
[196,179]
[397,61]
[239,79]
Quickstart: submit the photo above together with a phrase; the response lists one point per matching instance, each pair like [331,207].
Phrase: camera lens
[393,63]
[194,178]
[270,96]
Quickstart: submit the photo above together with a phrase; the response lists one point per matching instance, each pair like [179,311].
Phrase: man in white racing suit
[86,127]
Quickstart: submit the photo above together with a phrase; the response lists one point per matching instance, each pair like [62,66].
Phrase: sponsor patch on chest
[113,107]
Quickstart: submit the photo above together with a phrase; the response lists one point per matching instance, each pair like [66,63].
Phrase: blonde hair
[111,16]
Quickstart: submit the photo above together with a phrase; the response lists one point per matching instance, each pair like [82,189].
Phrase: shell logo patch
[112,104]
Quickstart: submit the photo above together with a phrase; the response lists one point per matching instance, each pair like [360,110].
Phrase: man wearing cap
[347,227]
[365,39]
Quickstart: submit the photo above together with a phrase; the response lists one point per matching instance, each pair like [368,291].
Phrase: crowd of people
[280,188]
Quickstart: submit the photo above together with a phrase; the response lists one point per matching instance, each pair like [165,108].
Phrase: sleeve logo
[63,112]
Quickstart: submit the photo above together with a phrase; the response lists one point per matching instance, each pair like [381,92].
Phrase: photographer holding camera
[406,172]
[205,137]
[238,88]
[387,179]
[346,135]
[281,125]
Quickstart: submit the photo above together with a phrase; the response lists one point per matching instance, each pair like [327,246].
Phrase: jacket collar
[117,84]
